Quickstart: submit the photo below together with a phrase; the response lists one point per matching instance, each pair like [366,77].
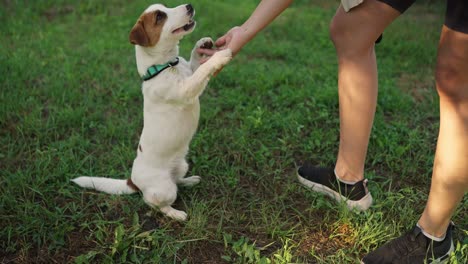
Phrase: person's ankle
[346,177]
[436,235]
[432,237]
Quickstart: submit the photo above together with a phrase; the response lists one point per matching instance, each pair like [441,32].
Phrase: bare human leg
[450,174]
[353,34]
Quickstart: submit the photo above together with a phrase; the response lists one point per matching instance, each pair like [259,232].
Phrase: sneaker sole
[361,205]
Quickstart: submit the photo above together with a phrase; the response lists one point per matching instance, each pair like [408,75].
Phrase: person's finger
[221,41]
[208,52]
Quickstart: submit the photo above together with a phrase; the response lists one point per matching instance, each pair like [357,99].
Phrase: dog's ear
[138,35]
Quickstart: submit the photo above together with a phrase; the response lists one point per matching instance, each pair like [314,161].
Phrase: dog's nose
[189,9]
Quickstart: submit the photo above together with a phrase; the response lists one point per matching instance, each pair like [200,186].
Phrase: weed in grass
[245,252]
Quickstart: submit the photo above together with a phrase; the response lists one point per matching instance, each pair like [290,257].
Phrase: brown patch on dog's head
[147,30]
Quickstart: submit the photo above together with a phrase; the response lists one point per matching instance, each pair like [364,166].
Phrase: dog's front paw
[221,58]
[205,43]
[197,57]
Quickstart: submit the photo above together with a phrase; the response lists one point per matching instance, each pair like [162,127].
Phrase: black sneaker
[412,248]
[324,180]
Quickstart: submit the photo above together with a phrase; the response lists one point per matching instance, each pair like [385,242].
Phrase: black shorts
[456,15]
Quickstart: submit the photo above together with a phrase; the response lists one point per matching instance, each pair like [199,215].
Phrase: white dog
[171,109]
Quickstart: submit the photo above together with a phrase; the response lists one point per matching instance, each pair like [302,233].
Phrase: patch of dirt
[77,245]
[7,257]
[7,5]
[204,252]
[321,241]
[59,11]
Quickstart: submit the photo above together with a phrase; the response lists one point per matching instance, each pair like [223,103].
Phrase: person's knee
[338,34]
[348,40]
[335,31]
[451,79]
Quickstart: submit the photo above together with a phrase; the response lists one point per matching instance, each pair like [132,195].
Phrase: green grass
[71,105]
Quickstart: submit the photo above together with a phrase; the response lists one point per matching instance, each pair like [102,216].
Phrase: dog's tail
[107,185]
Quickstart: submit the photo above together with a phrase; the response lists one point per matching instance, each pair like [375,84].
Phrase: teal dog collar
[158,68]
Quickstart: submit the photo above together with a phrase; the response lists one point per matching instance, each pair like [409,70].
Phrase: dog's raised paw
[222,58]
[205,43]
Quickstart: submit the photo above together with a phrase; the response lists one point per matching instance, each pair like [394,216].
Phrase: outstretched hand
[234,39]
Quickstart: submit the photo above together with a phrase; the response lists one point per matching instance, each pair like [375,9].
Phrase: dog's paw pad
[205,43]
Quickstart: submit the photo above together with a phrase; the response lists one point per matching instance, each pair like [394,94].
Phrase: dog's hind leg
[179,172]
[168,210]
[189,181]
[174,213]
[162,196]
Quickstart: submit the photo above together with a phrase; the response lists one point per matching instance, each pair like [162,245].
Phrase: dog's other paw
[174,214]
[221,58]
[205,43]
[190,181]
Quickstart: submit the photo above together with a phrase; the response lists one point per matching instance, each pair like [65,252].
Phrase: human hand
[234,39]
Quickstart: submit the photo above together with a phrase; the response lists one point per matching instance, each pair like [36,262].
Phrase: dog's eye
[160,16]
